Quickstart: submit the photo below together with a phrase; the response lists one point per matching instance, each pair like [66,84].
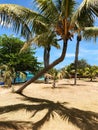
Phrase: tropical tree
[58,74]
[76,57]
[46,40]
[9,55]
[80,73]
[8,74]
[91,72]
[71,70]
[56,15]
[54,76]
[88,33]
[81,14]
[63,73]
[54,20]
[81,65]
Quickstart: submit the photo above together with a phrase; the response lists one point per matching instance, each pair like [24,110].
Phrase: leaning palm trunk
[60,59]
[76,57]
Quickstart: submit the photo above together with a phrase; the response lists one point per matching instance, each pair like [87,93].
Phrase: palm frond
[39,25]
[19,18]
[93,5]
[83,12]
[43,39]
[90,32]
[4,67]
[26,45]
[58,5]
[23,75]
[67,8]
[16,17]
[48,9]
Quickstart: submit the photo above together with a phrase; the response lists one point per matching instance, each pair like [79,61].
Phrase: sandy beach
[25,112]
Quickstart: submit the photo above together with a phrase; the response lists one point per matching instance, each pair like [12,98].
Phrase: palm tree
[55,19]
[86,28]
[91,72]
[8,74]
[81,15]
[46,40]
[55,15]
[76,57]
[54,75]
[63,73]
[88,33]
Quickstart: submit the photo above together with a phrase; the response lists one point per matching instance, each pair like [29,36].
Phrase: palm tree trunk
[54,83]
[60,59]
[46,59]
[76,58]
[46,56]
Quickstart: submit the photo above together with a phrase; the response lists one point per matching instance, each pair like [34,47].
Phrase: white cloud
[68,55]
[88,52]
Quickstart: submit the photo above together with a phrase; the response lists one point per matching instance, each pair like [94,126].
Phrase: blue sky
[88,49]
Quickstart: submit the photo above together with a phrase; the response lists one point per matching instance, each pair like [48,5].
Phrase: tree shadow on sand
[85,120]
[71,84]
[15,125]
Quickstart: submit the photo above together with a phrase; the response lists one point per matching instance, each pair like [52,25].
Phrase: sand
[81,98]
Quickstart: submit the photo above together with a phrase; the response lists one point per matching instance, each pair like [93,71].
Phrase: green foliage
[70,67]
[63,73]
[81,65]
[91,72]
[83,70]
[90,32]
[57,16]
[11,56]
[8,74]
[54,73]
